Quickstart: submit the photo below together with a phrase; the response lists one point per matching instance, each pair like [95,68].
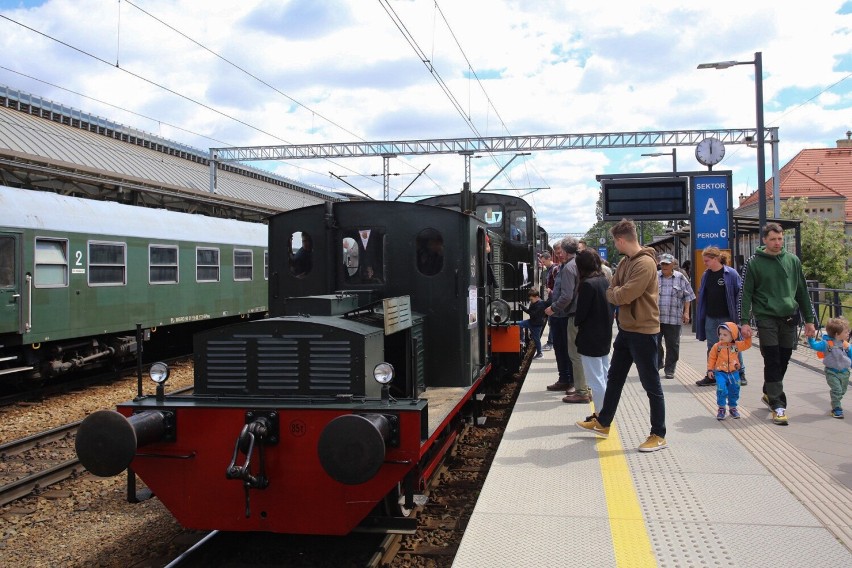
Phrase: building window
[207,264]
[162,264]
[242,264]
[107,264]
[51,263]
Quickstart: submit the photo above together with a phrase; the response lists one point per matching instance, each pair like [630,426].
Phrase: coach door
[10,283]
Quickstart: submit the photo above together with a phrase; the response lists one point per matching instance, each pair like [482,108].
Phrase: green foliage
[825,248]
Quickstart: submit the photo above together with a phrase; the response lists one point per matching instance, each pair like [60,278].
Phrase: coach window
[107,264]
[7,262]
[266,265]
[301,254]
[162,264]
[207,264]
[51,263]
[430,252]
[518,226]
[242,265]
[491,214]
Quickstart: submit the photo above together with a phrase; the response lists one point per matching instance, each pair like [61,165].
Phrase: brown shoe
[557,386]
[576,398]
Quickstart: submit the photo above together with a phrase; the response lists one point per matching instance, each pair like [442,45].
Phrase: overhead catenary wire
[158,85]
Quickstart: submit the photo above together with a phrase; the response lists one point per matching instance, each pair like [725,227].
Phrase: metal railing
[829,302]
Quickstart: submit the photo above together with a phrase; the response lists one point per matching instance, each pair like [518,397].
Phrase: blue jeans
[639,348]
[535,332]
[727,388]
[560,349]
[596,370]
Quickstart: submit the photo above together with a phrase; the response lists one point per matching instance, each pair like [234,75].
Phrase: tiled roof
[816,172]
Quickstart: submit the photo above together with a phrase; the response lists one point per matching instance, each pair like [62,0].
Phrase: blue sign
[602,251]
[711,203]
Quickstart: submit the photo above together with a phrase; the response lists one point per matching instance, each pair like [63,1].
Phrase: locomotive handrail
[516,286]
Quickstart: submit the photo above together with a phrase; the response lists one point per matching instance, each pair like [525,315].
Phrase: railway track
[38,461]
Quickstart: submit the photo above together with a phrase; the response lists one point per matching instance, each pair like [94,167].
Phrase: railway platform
[732,493]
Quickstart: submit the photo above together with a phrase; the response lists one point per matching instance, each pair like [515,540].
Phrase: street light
[761,156]
[673,154]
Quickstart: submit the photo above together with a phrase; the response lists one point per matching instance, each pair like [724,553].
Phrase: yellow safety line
[630,541]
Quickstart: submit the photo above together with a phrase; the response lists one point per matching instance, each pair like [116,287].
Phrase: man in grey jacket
[562,308]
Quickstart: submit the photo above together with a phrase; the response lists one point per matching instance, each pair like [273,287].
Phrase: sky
[209,73]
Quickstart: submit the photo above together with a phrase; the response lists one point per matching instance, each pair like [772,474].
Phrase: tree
[825,248]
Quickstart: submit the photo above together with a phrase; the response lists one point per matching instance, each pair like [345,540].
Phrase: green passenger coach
[78,275]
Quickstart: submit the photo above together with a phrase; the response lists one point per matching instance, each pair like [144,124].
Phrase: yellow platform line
[630,541]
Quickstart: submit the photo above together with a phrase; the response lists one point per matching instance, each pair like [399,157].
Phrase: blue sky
[213,73]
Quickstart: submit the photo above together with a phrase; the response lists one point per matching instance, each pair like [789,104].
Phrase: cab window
[363,256]
[301,254]
[491,214]
[430,252]
[518,226]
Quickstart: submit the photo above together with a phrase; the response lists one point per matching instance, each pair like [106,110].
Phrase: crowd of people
[651,300]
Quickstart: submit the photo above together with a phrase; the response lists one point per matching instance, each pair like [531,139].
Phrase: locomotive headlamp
[499,312]
[383,373]
[159,373]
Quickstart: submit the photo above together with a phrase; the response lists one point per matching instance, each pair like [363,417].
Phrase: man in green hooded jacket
[774,292]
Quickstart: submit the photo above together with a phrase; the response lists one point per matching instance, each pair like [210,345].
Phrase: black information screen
[646,198]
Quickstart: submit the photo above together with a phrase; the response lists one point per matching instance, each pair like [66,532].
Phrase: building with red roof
[823,175]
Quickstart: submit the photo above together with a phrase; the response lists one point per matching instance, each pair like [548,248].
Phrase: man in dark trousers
[775,292]
[635,292]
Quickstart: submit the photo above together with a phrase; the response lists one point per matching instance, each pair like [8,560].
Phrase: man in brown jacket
[634,292]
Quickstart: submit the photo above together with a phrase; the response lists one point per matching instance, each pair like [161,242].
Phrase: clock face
[710,151]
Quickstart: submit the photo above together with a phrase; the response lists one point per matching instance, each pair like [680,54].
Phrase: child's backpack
[829,345]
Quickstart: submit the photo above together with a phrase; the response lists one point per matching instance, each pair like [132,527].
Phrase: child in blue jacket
[836,355]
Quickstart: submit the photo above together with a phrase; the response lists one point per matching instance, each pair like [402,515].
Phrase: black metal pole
[761,155]
[139,360]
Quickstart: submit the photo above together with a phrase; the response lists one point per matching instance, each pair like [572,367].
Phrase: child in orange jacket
[723,365]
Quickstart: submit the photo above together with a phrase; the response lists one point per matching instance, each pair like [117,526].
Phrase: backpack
[829,345]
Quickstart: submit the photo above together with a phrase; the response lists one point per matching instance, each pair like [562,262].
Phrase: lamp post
[673,154]
[761,156]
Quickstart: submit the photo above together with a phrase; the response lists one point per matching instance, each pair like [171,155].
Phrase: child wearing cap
[836,355]
[723,365]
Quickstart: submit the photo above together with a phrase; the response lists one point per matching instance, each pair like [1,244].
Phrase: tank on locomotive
[287,429]
[77,276]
